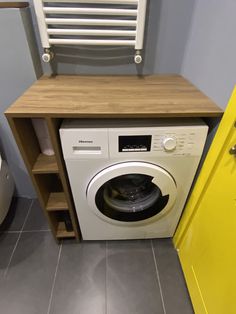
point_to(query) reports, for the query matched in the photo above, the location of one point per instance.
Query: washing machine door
(131, 192)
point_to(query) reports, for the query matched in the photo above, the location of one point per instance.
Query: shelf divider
(45, 164)
(62, 232)
(56, 202)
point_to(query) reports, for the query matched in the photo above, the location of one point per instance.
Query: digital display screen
(135, 143)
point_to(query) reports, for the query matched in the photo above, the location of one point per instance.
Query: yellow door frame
(210, 164)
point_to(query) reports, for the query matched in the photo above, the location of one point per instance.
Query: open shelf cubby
(50, 189)
(62, 232)
(62, 224)
(48, 176)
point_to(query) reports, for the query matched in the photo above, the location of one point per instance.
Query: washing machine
(130, 178)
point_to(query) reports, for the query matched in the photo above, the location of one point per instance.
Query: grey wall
(192, 37)
(167, 27)
(17, 72)
(171, 35)
(168, 23)
(210, 56)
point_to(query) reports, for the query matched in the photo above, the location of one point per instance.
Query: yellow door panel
(211, 162)
(207, 248)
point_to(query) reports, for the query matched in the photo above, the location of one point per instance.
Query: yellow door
(206, 238)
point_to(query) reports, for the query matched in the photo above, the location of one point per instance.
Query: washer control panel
(177, 143)
(135, 143)
(157, 141)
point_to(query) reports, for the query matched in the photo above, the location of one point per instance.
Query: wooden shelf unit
(57, 97)
(48, 175)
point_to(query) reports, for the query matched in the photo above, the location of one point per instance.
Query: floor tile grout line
(13, 251)
(28, 231)
(30, 207)
(26, 217)
(158, 278)
(6, 232)
(25, 231)
(54, 280)
(106, 310)
(18, 239)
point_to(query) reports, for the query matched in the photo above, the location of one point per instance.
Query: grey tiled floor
(38, 276)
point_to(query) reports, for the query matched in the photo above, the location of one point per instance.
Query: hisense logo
(81, 141)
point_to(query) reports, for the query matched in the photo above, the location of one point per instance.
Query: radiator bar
(63, 21)
(89, 11)
(96, 1)
(94, 42)
(90, 32)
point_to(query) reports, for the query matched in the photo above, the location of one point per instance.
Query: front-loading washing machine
(130, 178)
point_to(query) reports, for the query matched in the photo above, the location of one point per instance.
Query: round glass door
(130, 197)
(140, 191)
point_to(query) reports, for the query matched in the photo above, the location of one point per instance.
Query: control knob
(169, 144)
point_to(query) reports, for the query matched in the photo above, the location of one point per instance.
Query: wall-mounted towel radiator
(91, 22)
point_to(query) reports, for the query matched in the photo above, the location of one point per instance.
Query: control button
(125, 150)
(143, 149)
(169, 144)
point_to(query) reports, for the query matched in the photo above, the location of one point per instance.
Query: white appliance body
(6, 189)
(130, 179)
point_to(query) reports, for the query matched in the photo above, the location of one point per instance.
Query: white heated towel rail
(91, 22)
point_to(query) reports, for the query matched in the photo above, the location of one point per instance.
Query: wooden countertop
(113, 96)
(13, 5)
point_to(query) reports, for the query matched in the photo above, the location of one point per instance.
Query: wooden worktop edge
(18, 109)
(117, 115)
